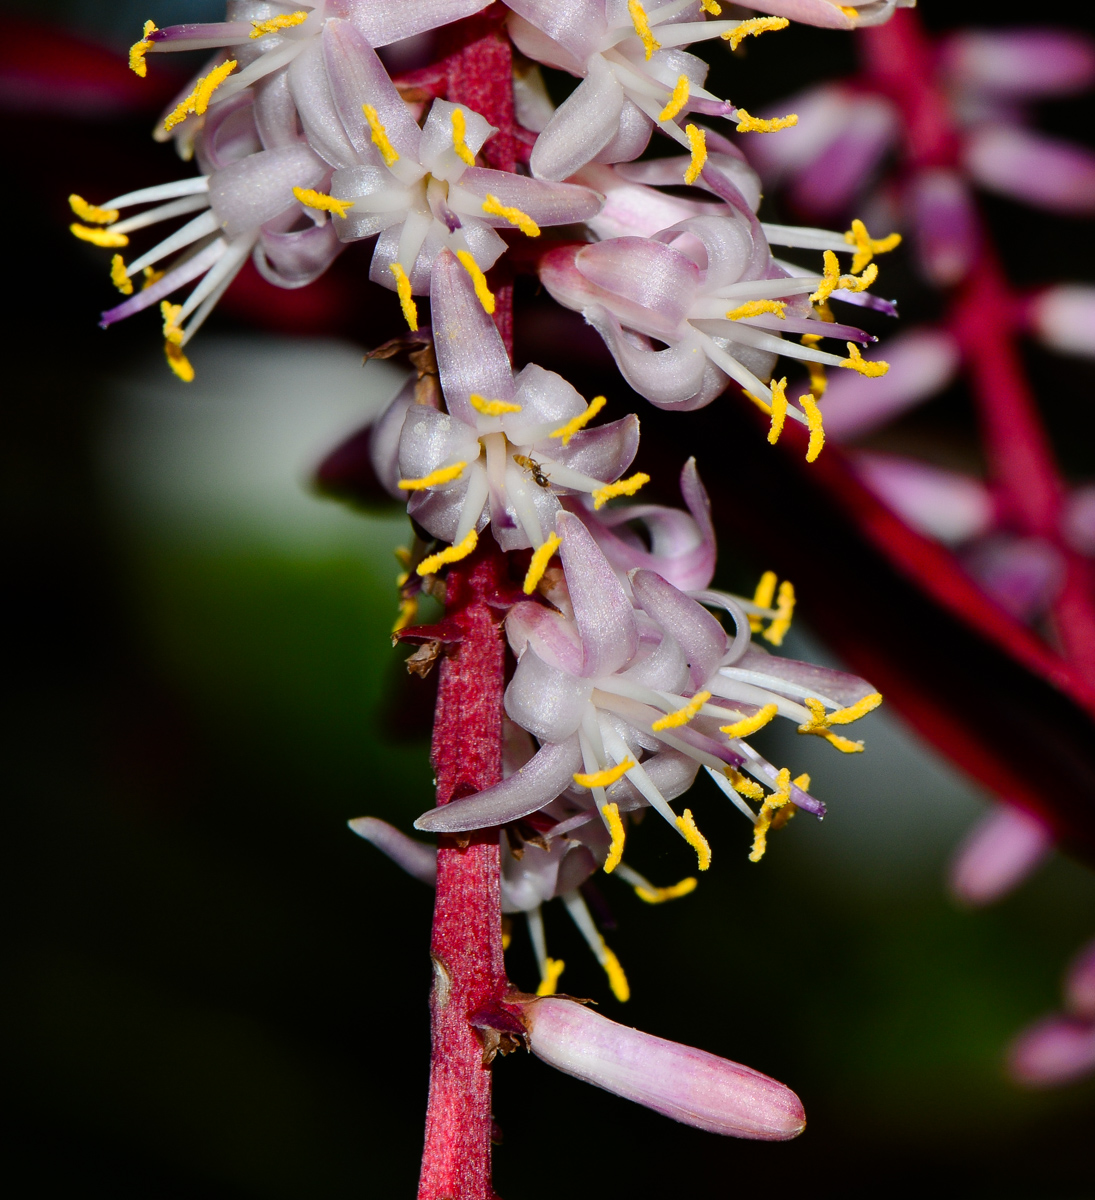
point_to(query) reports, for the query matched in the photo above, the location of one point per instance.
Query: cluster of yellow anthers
(776, 810)
(820, 721)
(780, 616)
(173, 336)
(139, 49)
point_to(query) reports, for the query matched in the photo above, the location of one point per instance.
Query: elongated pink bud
(1054, 1051)
(689, 1085)
(1001, 850)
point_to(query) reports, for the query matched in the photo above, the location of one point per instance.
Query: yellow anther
(495, 208)
(459, 136)
(436, 478)
(743, 784)
(763, 597)
(748, 725)
(830, 278)
(198, 100)
(662, 894)
(553, 968)
(276, 23)
(139, 49)
(617, 980)
(820, 721)
(748, 124)
(851, 13)
(771, 805)
(856, 362)
(388, 152)
(151, 276)
(802, 781)
(91, 212)
(686, 823)
(484, 294)
(763, 405)
(118, 277)
(540, 559)
(433, 564)
(711, 6)
(818, 379)
(322, 202)
(170, 313)
(779, 409)
(754, 27)
(606, 777)
(785, 608)
(616, 830)
(677, 101)
(406, 300)
(757, 308)
(492, 408)
(623, 487)
(681, 716)
(642, 28)
(99, 237)
(697, 142)
(507, 932)
(567, 431)
(178, 362)
(813, 423)
(408, 613)
(845, 716)
(866, 247)
(402, 556)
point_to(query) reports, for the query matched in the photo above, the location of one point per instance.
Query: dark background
(213, 989)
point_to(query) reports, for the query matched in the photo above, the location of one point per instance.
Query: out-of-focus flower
(1001, 850)
(1061, 1049)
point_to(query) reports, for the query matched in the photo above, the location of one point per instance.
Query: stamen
(139, 49)
(276, 23)
(492, 408)
(642, 28)
(540, 560)
(662, 894)
(819, 381)
(606, 777)
(832, 279)
(866, 247)
(697, 142)
(687, 825)
(495, 208)
(754, 27)
(616, 829)
(762, 598)
(459, 135)
(813, 423)
(388, 152)
(785, 607)
(170, 313)
(553, 968)
(99, 237)
(683, 715)
(118, 276)
(844, 716)
(756, 308)
(856, 362)
(711, 6)
(322, 202)
(198, 100)
(617, 980)
(748, 124)
(482, 292)
(567, 431)
(772, 804)
(624, 487)
(819, 722)
(745, 785)
(431, 565)
(748, 725)
(403, 291)
(677, 101)
(434, 479)
(408, 613)
(151, 276)
(779, 409)
(178, 362)
(91, 212)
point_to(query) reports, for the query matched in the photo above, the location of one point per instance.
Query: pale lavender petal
(416, 858)
(1078, 520)
(670, 771)
(292, 260)
(1055, 1051)
(1020, 62)
(1024, 575)
(665, 668)
(582, 126)
(945, 505)
(532, 879)
(319, 116)
(275, 112)
(1080, 983)
(1035, 169)
(545, 397)
(576, 25)
(470, 353)
(824, 13)
(688, 1085)
(254, 191)
(552, 636)
(384, 441)
(632, 209)
(386, 21)
(228, 134)
(1001, 850)
(549, 703)
(922, 362)
(546, 203)
(537, 45)
(632, 136)
(731, 252)
(604, 452)
(439, 512)
(1064, 318)
(437, 151)
(544, 777)
(807, 678)
(945, 225)
(432, 439)
(698, 633)
(605, 619)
